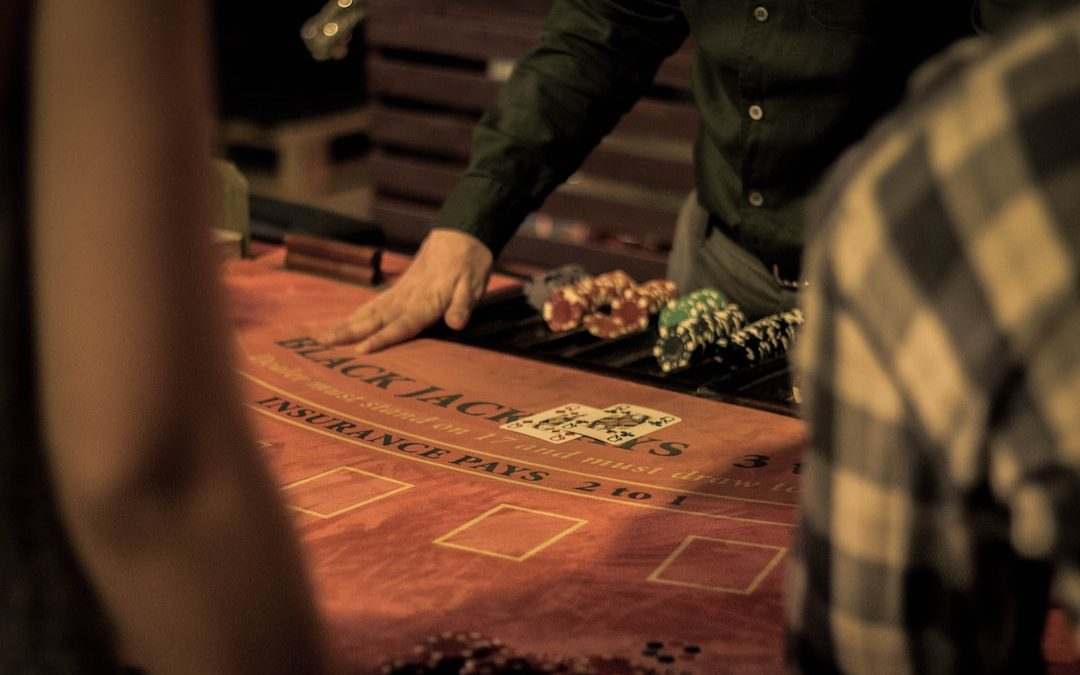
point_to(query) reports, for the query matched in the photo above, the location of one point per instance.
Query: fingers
(359, 325)
(373, 331)
(446, 279)
(401, 313)
(461, 304)
(397, 331)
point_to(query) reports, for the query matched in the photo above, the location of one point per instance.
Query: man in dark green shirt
(783, 86)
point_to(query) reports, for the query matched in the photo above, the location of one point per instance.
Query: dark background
(266, 74)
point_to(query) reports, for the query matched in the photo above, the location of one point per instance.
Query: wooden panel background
(435, 65)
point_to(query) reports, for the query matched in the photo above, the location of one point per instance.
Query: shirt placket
(754, 107)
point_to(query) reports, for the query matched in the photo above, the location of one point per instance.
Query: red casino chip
(564, 310)
(567, 306)
(632, 311)
(593, 295)
(603, 289)
(638, 303)
(630, 315)
(539, 288)
(608, 326)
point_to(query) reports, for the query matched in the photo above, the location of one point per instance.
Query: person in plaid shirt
(941, 373)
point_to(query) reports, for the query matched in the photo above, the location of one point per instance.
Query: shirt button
(761, 14)
(755, 198)
(755, 112)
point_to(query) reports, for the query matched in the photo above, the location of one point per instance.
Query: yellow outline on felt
(326, 516)
(655, 576)
(441, 541)
(734, 498)
(263, 411)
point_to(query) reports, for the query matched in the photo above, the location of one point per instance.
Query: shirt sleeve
(1035, 458)
(595, 59)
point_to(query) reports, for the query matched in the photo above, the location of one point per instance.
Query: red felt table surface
(420, 515)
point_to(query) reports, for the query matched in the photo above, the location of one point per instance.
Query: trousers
(704, 256)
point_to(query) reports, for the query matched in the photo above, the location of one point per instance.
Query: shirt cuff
(486, 209)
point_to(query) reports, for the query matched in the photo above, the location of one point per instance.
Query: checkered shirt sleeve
(941, 372)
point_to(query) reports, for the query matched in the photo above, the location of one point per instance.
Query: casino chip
(702, 301)
(761, 340)
(564, 309)
(473, 654)
(451, 653)
(697, 337)
(609, 326)
(540, 287)
(639, 303)
(631, 311)
(567, 306)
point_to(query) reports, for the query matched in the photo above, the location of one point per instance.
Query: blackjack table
(439, 538)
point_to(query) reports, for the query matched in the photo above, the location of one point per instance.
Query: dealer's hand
(446, 279)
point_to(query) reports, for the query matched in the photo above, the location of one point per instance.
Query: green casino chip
(703, 301)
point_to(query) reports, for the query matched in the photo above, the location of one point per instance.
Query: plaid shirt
(941, 370)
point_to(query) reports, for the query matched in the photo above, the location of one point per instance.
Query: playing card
(552, 425)
(622, 422)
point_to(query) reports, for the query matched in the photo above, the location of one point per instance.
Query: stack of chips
(473, 654)
(450, 653)
(703, 301)
(631, 312)
(762, 340)
(697, 337)
(540, 287)
(567, 306)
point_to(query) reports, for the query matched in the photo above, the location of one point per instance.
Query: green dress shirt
(783, 87)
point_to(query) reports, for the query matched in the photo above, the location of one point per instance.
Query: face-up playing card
(622, 422)
(552, 425)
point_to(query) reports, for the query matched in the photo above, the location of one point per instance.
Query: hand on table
(446, 279)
